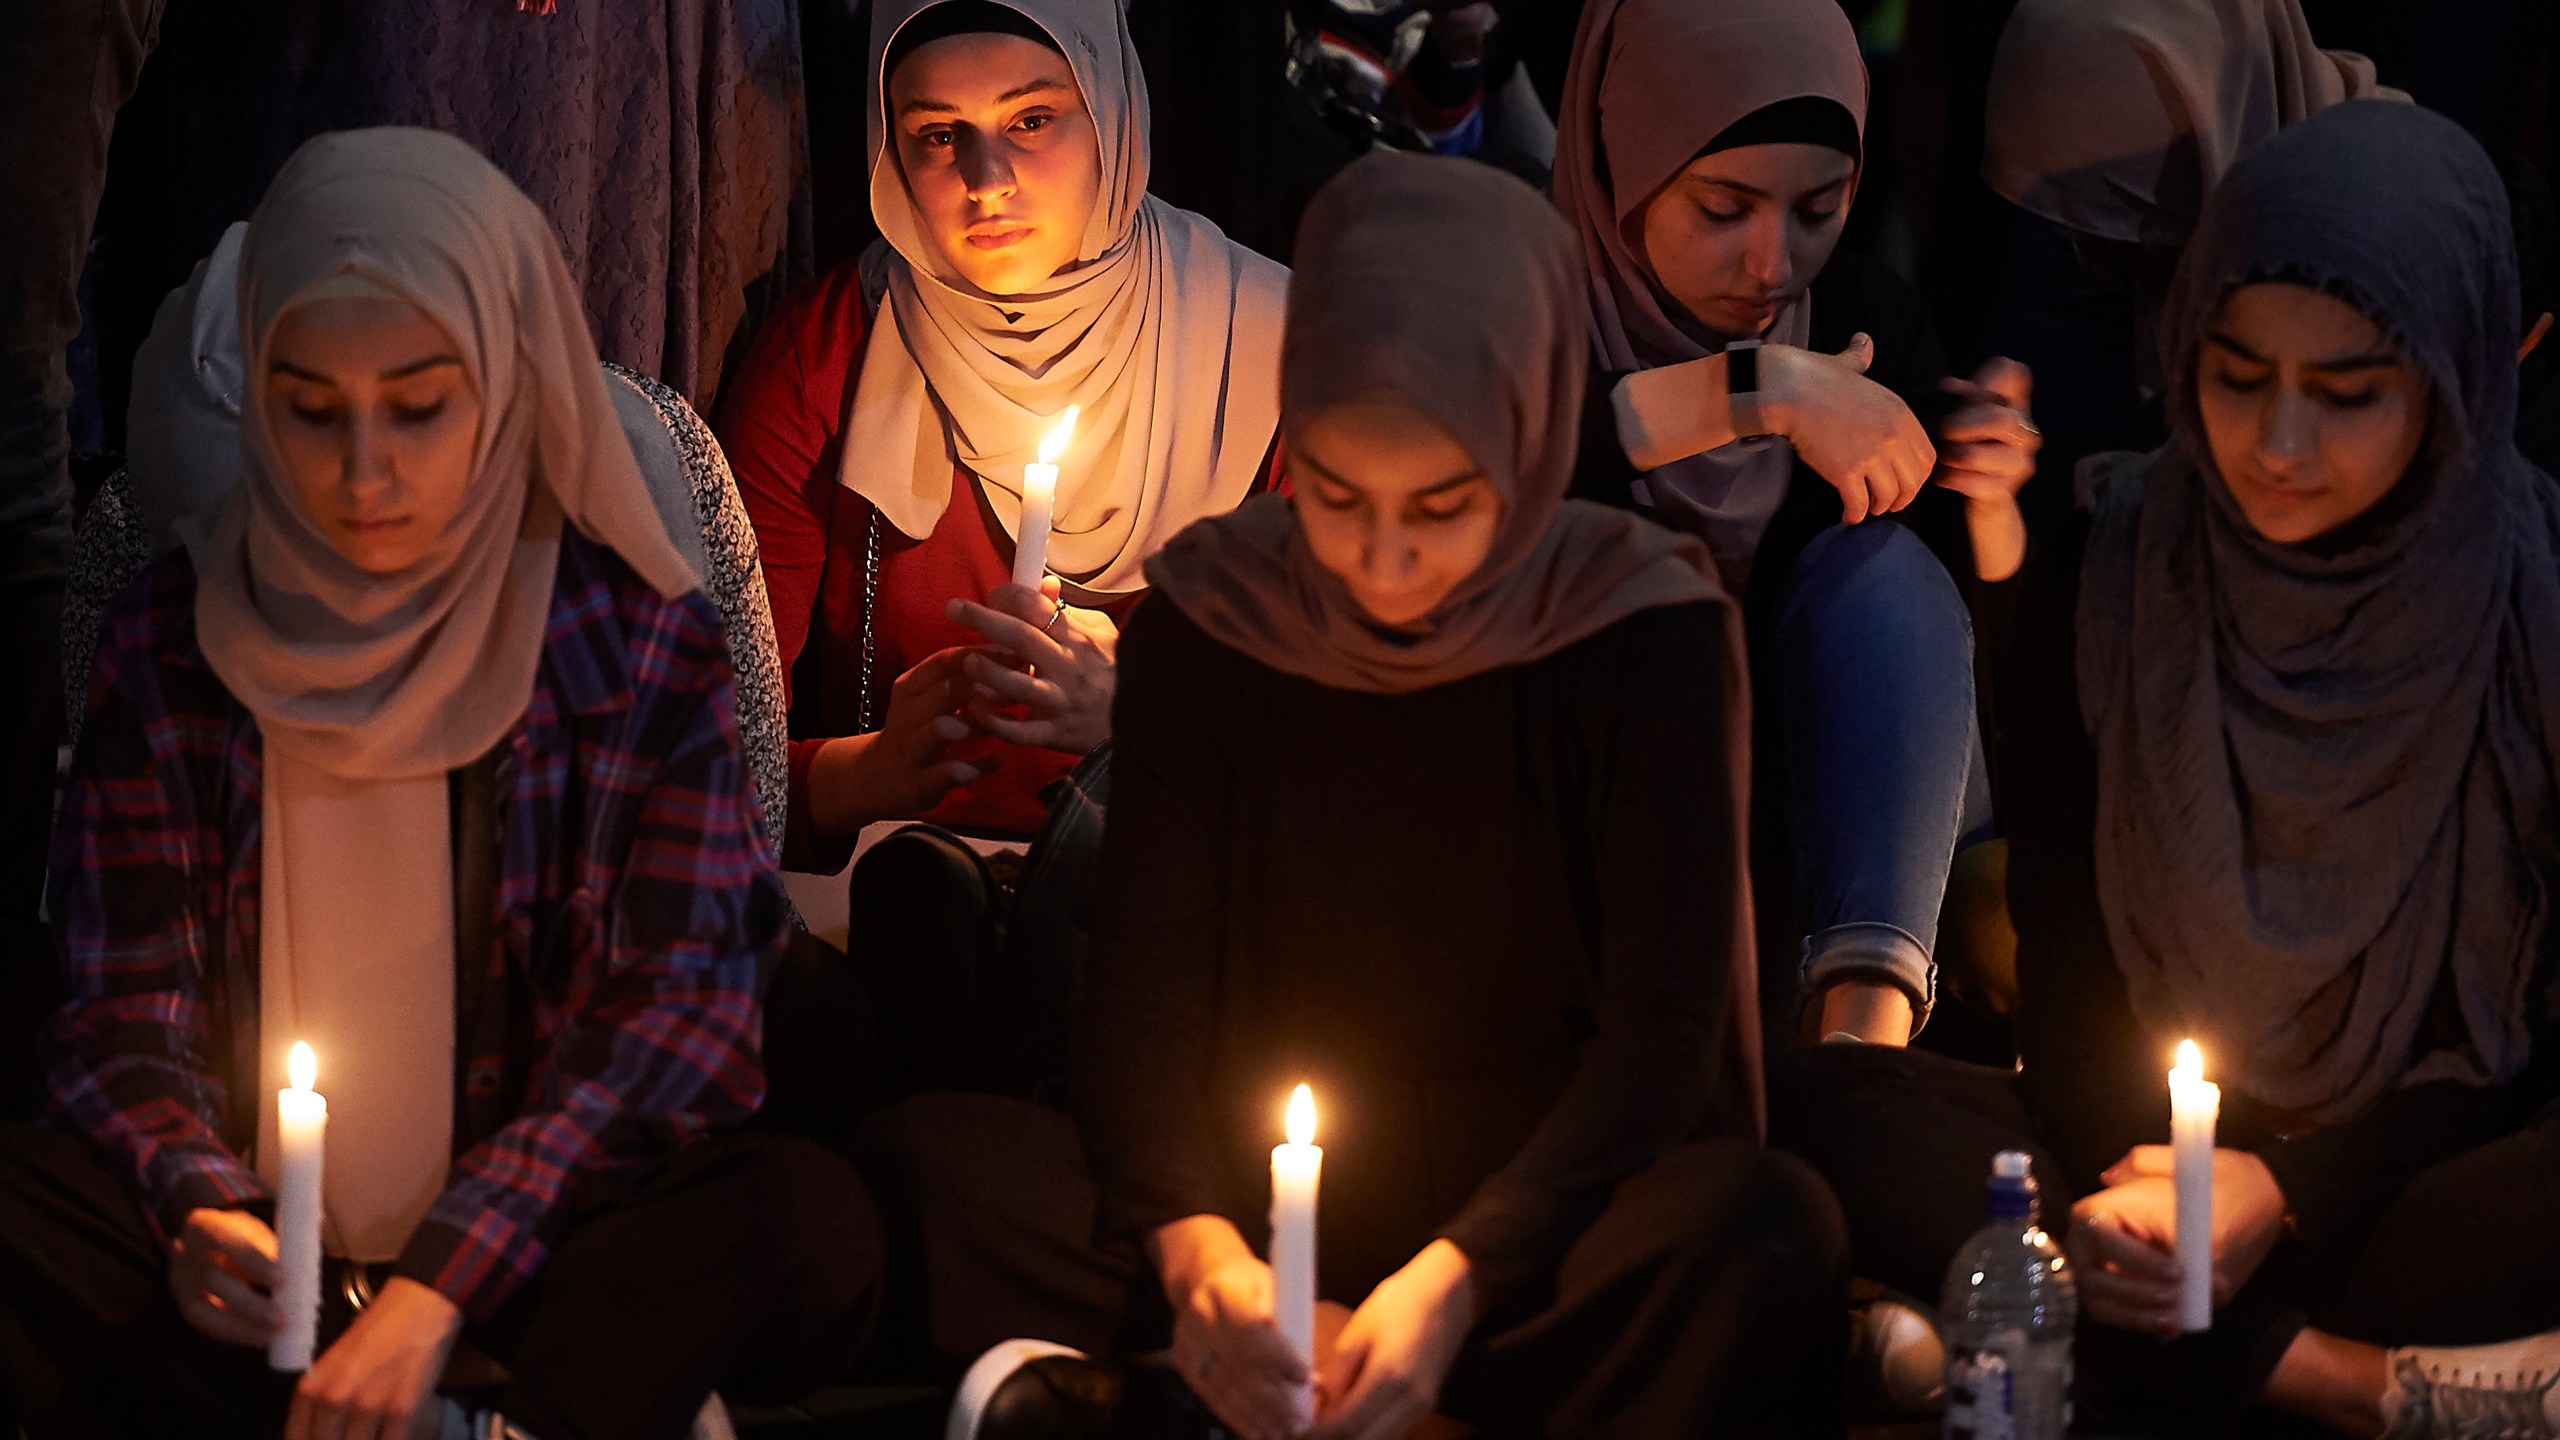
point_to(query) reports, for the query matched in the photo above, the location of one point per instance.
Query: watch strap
(1742, 389)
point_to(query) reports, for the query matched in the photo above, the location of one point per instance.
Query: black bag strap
(472, 791)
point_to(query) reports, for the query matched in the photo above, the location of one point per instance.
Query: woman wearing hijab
(1428, 797)
(880, 425)
(1759, 392)
(422, 752)
(2299, 807)
(2109, 122)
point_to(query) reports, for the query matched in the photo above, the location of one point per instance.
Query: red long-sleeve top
(781, 424)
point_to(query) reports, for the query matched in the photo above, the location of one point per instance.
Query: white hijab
(1166, 337)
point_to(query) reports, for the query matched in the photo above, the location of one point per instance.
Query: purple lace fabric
(665, 139)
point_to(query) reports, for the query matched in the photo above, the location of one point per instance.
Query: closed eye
(1335, 497)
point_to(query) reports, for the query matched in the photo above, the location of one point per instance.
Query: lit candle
(302, 1121)
(2194, 1104)
(1039, 491)
(1295, 1168)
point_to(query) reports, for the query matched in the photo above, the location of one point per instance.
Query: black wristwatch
(1742, 389)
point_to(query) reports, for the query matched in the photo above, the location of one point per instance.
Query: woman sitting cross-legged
(421, 751)
(1760, 390)
(2280, 723)
(1428, 795)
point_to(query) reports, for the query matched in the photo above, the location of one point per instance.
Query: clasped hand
(378, 1382)
(1865, 441)
(1044, 678)
(2124, 1238)
(1375, 1379)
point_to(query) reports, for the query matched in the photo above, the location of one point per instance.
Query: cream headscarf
(1651, 84)
(2116, 118)
(1167, 338)
(368, 689)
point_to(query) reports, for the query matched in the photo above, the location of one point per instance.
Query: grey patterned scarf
(2324, 788)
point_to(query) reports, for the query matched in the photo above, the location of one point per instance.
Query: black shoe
(1034, 1390)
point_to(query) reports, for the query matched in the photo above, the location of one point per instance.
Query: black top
(2095, 1079)
(1490, 923)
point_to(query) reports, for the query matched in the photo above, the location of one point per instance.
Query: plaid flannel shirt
(638, 908)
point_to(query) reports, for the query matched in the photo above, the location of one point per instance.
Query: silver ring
(1054, 617)
(2033, 428)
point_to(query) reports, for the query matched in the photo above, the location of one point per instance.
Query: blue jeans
(1883, 772)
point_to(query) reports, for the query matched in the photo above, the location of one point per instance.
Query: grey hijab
(2324, 789)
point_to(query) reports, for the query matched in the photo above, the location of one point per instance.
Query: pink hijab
(1449, 286)
(1650, 84)
(2116, 118)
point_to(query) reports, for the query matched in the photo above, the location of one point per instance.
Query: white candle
(302, 1123)
(2194, 1105)
(1039, 493)
(1295, 1168)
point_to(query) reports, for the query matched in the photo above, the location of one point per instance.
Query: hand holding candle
(2194, 1105)
(302, 1123)
(1039, 493)
(1295, 1170)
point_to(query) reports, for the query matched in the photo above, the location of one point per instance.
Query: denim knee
(1877, 573)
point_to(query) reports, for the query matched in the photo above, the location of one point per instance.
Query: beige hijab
(2116, 118)
(1652, 82)
(368, 690)
(1166, 337)
(1452, 287)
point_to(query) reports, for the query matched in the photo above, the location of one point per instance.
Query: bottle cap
(2011, 1192)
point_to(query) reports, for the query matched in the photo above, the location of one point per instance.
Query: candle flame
(1302, 1116)
(300, 1067)
(1054, 444)
(2190, 1061)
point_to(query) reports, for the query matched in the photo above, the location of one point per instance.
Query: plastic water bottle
(2010, 1306)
